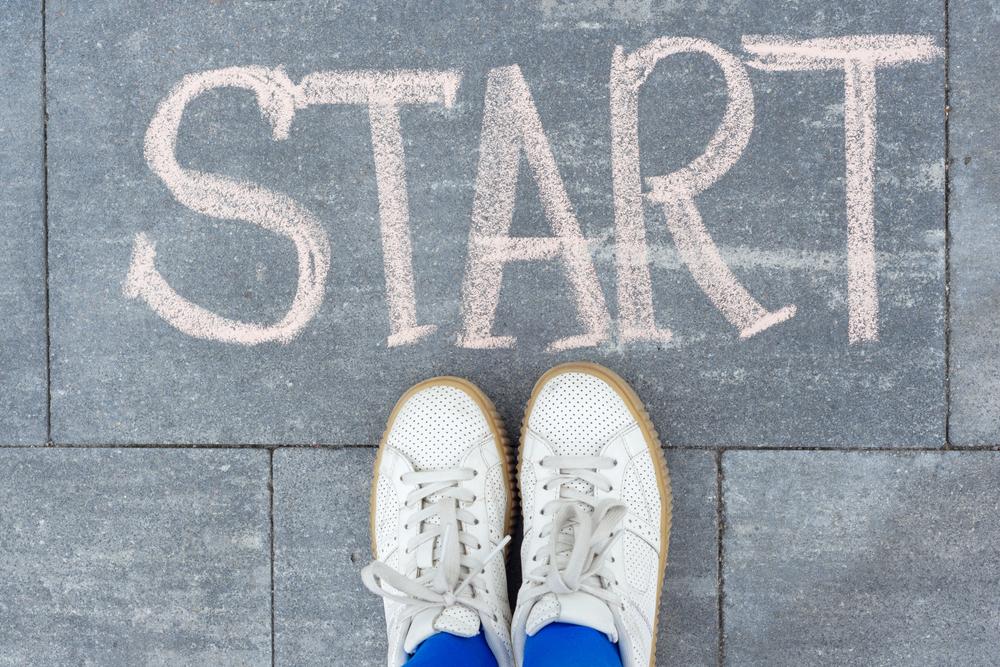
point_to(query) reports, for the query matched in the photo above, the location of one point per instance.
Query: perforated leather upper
(436, 427)
(441, 426)
(579, 414)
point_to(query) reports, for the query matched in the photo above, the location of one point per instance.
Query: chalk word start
(511, 126)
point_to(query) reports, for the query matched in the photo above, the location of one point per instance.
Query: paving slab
(841, 558)
(689, 628)
(975, 223)
(22, 239)
(323, 614)
(139, 359)
(134, 557)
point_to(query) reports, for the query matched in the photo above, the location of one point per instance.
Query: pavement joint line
(45, 228)
(720, 523)
(947, 225)
(270, 499)
(680, 448)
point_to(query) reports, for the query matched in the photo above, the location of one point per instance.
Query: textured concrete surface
(323, 613)
(689, 628)
(22, 249)
(131, 557)
(160, 555)
(860, 558)
(975, 224)
(121, 374)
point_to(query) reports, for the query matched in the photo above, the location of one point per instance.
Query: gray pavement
(123, 375)
(135, 557)
(839, 558)
(187, 437)
(975, 226)
(23, 419)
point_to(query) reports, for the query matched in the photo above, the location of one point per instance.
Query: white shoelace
(580, 534)
(455, 577)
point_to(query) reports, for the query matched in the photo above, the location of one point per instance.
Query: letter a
(510, 125)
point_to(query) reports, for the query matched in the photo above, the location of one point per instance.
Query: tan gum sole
(638, 410)
(496, 427)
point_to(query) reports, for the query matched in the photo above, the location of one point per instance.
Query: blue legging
(555, 645)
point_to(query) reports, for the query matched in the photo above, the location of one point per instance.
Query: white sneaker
(441, 506)
(596, 503)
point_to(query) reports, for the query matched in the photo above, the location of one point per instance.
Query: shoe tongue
(455, 620)
(575, 608)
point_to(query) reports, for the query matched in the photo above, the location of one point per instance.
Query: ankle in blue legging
(567, 645)
(555, 645)
(445, 650)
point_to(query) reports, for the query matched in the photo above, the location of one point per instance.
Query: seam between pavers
(947, 224)
(270, 496)
(45, 228)
(195, 445)
(717, 450)
(720, 528)
(365, 445)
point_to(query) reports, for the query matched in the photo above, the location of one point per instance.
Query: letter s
(229, 199)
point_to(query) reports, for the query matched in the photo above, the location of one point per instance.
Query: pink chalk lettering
(229, 199)
(384, 93)
(676, 193)
(858, 57)
(511, 125)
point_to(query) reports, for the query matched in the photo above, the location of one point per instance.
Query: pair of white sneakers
(595, 501)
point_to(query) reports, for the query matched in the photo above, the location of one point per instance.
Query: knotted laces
(575, 545)
(439, 506)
